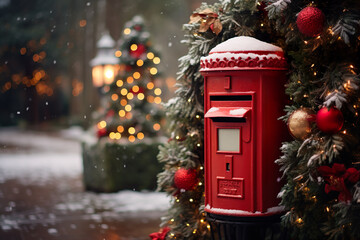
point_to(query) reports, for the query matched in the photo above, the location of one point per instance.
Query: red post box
(244, 97)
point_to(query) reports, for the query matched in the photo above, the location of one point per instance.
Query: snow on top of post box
(244, 43)
(243, 52)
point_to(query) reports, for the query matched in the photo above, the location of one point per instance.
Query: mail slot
(243, 98)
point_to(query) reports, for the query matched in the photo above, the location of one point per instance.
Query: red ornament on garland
(141, 90)
(160, 235)
(140, 50)
(329, 120)
(102, 132)
(300, 122)
(338, 179)
(185, 179)
(310, 21)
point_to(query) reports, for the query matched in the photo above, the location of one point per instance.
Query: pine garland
(186, 216)
(323, 72)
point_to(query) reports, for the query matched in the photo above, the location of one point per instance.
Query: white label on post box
(229, 139)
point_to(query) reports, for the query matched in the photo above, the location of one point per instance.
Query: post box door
(231, 158)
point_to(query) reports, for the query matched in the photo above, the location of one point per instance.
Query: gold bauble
(299, 123)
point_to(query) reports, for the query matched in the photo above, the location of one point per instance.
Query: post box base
(244, 228)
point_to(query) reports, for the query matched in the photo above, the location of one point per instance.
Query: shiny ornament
(329, 120)
(299, 123)
(102, 132)
(310, 21)
(140, 50)
(141, 90)
(185, 179)
(161, 235)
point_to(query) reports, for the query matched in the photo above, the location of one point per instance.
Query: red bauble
(141, 90)
(161, 235)
(137, 28)
(101, 132)
(185, 179)
(110, 113)
(140, 50)
(310, 21)
(329, 120)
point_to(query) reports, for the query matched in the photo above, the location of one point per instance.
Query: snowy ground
(42, 197)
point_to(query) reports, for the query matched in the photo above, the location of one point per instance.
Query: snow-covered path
(42, 197)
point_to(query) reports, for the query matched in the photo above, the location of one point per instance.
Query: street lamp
(104, 64)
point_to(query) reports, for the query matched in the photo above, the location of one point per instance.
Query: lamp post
(104, 65)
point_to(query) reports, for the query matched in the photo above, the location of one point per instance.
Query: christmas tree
(321, 42)
(321, 194)
(183, 176)
(131, 106)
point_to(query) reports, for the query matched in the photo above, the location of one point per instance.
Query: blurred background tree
(46, 48)
(131, 107)
(35, 52)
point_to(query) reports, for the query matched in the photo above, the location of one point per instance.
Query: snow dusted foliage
(276, 7)
(324, 71)
(186, 216)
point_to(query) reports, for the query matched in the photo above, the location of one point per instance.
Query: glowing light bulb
(131, 130)
(141, 96)
(132, 138)
(157, 100)
(150, 85)
(135, 88)
(122, 113)
(128, 115)
(130, 96)
(120, 129)
(128, 108)
(299, 221)
(127, 31)
(118, 53)
(140, 135)
(153, 71)
(139, 62)
(150, 55)
(112, 135)
(156, 60)
(130, 79)
(157, 91)
(156, 127)
(124, 91)
(117, 136)
(119, 83)
(136, 75)
(133, 47)
(123, 102)
(114, 97)
(102, 124)
(150, 99)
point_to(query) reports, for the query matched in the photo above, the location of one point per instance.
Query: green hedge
(110, 167)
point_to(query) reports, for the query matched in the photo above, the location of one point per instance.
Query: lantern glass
(109, 74)
(97, 76)
(229, 139)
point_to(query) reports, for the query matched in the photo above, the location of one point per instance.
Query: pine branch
(276, 7)
(347, 26)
